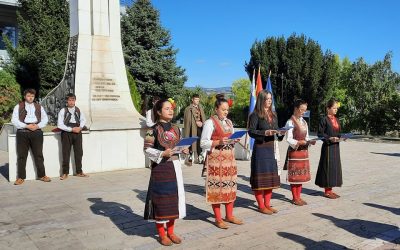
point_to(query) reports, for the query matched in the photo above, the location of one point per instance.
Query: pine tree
(149, 55)
(39, 59)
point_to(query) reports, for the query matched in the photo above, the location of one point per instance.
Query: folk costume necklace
(167, 135)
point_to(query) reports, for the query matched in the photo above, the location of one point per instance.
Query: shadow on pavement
(361, 228)
(309, 243)
(388, 154)
(4, 171)
(123, 217)
(394, 210)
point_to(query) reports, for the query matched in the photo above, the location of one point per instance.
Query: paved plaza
(105, 211)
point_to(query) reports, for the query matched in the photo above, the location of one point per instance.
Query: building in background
(8, 25)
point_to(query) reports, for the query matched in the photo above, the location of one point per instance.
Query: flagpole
(247, 125)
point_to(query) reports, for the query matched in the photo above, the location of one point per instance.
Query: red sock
(328, 190)
(294, 189)
(160, 229)
(299, 190)
(260, 199)
(170, 227)
(229, 209)
(217, 211)
(267, 197)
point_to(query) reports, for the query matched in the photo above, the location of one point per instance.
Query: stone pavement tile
(116, 222)
(21, 242)
(55, 239)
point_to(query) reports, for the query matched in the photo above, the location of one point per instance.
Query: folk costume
(24, 114)
(329, 172)
(297, 163)
(220, 164)
(193, 114)
(264, 166)
(165, 200)
(69, 118)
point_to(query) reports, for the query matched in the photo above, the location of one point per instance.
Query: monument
(95, 72)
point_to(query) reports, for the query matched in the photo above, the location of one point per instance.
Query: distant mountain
(224, 90)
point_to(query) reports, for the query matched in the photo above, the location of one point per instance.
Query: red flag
(259, 82)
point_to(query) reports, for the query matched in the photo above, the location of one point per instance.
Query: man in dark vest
(71, 121)
(29, 118)
(193, 121)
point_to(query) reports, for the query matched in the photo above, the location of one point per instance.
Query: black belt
(27, 130)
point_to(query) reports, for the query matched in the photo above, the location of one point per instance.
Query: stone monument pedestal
(95, 72)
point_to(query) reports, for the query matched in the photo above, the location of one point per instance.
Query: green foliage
(241, 101)
(10, 96)
(149, 55)
(185, 98)
(301, 70)
(39, 59)
(135, 95)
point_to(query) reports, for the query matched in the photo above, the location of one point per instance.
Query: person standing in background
(71, 121)
(193, 121)
(29, 118)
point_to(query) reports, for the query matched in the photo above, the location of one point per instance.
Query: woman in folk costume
(263, 127)
(220, 163)
(329, 172)
(297, 162)
(165, 200)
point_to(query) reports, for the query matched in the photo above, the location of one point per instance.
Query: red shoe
(234, 220)
(265, 211)
(330, 196)
(297, 202)
(272, 209)
(175, 239)
(165, 241)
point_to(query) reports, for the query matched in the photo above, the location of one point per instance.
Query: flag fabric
(253, 93)
(252, 104)
(269, 89)
(259, 82)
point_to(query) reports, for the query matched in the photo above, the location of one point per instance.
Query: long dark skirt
(162, 195)
(264, 168)
(329, 172)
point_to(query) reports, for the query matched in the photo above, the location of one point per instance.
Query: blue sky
(214, 37)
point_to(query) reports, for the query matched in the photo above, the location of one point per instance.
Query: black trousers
(69, 139)
(197, 143)
(30, 139)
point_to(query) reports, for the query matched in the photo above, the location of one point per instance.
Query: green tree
(241, 102)
(135, 95)
(10, 96)
(38, 60)
(149, 55)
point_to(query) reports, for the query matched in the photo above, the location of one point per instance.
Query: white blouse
(208, 129)
(289, 137)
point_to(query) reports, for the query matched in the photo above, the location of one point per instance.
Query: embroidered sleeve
(154, 155)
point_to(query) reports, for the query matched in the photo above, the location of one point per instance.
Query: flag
(252, 104)
(253, 93)
(259, 82)
(269, 89)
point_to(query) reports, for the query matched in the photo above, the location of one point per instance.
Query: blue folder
(186, 142)
(285, 128)
(238, 134)
(346, 136)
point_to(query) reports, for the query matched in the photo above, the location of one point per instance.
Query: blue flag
(252, 103)
(269, 88)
